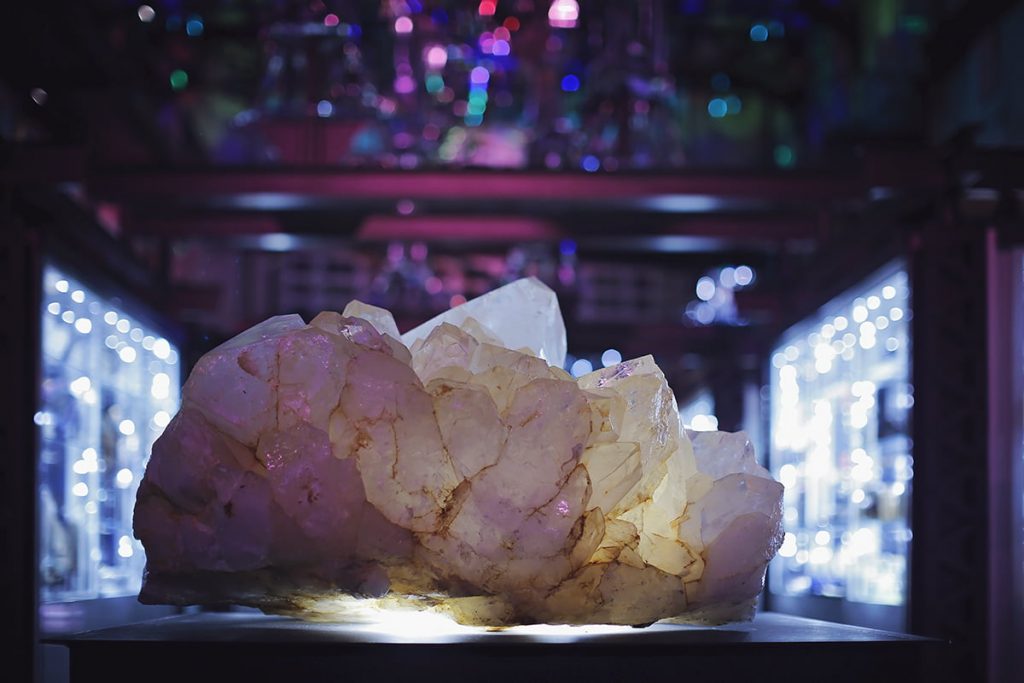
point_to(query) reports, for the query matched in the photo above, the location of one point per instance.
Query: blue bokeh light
(717, 108)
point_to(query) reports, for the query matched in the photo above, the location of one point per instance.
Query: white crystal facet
(521, 315)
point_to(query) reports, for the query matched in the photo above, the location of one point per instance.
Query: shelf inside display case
(238, 645)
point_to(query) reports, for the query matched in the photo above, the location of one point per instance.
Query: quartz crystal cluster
(455, 468)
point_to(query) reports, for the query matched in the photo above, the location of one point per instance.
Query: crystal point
(521, 315)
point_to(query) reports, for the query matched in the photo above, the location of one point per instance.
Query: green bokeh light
(179, 79)
(784, 156)
(435, 83)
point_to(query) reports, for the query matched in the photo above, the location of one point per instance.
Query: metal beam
(459, 228)
(288, 189)
(755, 232)
(204, 225)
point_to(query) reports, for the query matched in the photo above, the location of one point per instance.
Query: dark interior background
(225, 161)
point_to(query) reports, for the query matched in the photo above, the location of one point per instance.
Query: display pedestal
(255, 647)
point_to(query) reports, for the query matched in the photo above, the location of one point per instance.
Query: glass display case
(109, 384)
(840, 443)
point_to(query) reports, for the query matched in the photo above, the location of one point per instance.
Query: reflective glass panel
(840, 443)
(109, 386)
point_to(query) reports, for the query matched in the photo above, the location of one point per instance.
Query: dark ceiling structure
(291, 155)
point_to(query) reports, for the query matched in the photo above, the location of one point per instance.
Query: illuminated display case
(840, 443)
(109, 384)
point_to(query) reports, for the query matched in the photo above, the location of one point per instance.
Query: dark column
(949, 569)
(19, 343)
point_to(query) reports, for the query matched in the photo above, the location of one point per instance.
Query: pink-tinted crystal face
(465, 473)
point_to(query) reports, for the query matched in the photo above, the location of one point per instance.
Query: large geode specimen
(455, 468)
